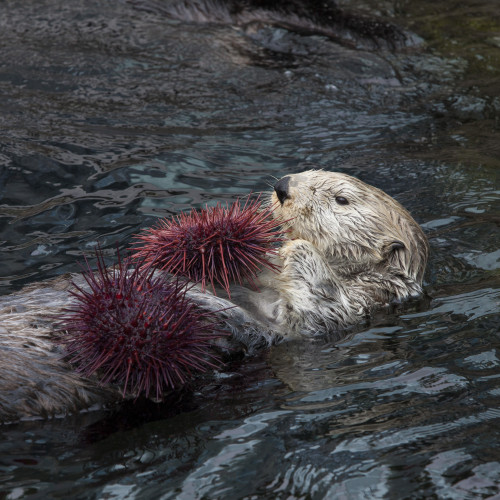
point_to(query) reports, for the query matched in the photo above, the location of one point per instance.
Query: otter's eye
(341, 200)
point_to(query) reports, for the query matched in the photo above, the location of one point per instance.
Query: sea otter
(352, 247)
(349, 249)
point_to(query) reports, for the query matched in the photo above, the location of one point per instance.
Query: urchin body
(350, 248)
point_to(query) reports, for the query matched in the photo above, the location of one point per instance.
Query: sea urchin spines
(138, 330)
(217, 245)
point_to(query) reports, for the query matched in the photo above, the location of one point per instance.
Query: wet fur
(35, 381)
(339, 262)
(342, 261)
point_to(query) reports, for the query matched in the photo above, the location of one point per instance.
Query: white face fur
(349, 221)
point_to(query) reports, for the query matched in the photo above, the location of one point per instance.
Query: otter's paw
(307, 290)
(303, 261)
(292, 248)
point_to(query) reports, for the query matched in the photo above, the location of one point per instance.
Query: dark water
(111, 117)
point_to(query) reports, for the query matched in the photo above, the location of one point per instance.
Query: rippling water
(112, 116)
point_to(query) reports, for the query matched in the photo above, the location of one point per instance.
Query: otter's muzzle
(281, 188)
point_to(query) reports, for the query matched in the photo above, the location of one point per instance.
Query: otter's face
(350, 221)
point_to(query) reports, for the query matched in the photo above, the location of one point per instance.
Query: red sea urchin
(137, 330)
(218, 245)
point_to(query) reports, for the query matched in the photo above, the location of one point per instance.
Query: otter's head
(351, 222)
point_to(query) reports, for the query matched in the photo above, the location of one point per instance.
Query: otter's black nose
(281, 188)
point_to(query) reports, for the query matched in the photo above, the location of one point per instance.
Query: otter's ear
(395, 253)
(395, 245)
(391, 247)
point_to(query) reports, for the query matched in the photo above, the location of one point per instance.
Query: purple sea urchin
(137, 330)
(218, 245)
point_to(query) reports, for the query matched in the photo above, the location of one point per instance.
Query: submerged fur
(339, 262)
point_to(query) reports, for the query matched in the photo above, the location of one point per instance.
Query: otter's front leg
(245, 328)
(311, 293)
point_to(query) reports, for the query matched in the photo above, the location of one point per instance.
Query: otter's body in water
(350, 248)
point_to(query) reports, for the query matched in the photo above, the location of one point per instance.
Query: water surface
(112, 116)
